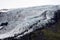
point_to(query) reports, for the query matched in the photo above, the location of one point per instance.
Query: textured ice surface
(21, 21)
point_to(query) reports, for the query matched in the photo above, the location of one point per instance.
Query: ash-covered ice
(21, 21)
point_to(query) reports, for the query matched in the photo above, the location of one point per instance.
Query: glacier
(21, 21)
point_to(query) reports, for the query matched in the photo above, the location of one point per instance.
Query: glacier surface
(21, 21)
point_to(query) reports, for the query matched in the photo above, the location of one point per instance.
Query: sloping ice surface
(21, 21)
